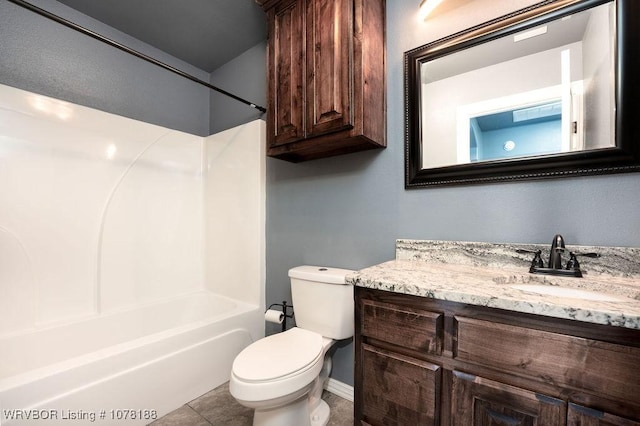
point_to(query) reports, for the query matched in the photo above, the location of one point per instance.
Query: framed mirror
(547, 91)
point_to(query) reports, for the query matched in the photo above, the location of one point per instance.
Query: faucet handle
(525, 251)
(537, 260)
(591, 255)
(572, 263)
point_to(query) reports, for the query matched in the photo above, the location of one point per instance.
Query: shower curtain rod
(124, 48)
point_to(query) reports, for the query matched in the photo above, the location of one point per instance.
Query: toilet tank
(322, 301)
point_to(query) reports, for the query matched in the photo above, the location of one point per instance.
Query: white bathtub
(139, 363)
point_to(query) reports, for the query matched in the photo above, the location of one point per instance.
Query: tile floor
(217, 407)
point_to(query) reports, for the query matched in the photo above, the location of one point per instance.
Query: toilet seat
(262, 373)
(278, 356)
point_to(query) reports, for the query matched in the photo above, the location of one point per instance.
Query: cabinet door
(582, 416)
(398, 390)
(285, 123)
(481, 402)
(329, 66)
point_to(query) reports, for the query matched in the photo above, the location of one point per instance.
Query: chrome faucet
(555, 254)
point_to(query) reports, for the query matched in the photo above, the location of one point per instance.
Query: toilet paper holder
(284, 307)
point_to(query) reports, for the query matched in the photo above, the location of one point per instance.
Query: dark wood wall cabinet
(421, 361)
(326, 77)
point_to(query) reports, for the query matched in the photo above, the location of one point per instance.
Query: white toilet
(282, 376)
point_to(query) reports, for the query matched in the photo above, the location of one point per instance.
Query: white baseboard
(340, 389)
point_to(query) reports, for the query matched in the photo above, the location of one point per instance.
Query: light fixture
(426, 6)
(549, 109)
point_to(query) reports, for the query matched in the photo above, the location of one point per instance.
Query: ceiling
(203, 33)
(560, 32)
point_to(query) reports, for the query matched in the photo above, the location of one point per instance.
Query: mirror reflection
(545, 90)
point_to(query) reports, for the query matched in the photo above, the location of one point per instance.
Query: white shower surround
(103, 216)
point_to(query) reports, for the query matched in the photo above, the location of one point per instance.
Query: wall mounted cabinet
(430, 362)
(326, 77)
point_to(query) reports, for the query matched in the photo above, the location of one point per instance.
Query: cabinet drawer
(403, 326)
(478, 401)
(399, 390)
(602, 368)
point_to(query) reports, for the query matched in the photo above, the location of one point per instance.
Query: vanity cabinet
(430, 362)
(326, 77)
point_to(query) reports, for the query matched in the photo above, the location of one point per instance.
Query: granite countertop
(490, 283)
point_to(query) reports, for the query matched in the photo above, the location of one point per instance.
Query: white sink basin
(573, 293)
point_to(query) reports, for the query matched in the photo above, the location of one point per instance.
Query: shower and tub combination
(131, 261)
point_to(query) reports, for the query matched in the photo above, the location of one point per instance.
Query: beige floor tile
(219, 408)
(183, 416)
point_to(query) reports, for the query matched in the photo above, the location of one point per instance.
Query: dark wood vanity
(422, 361)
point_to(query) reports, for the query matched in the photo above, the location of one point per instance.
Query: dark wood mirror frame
(624, 157)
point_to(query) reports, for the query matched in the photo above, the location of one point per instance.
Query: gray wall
(244, 76)
(44, 57)
(347, 211)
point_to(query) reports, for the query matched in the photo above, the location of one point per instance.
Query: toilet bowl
(282, 376)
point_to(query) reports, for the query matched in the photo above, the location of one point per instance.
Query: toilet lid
(278, 355)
